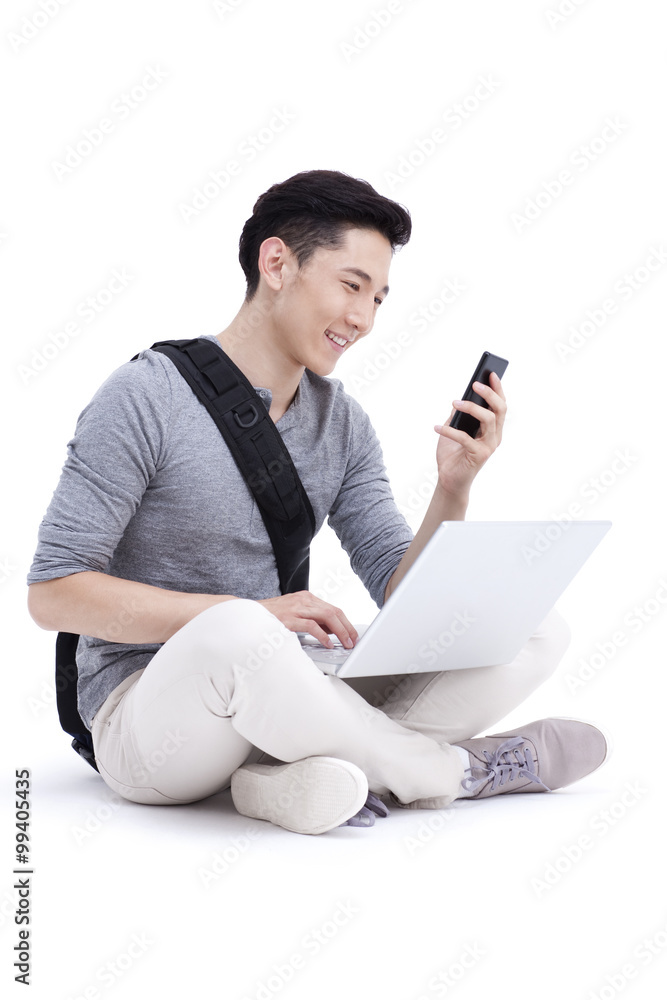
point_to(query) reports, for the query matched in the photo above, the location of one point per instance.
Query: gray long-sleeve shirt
(150, 492)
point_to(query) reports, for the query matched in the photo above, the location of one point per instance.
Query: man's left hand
(459, 456)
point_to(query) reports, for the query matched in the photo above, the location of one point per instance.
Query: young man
(153, 550)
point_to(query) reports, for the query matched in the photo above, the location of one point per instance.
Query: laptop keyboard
(318, 651)
(325, 655)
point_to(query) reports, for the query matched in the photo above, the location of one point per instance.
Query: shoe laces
(511, 759)
(366, 816)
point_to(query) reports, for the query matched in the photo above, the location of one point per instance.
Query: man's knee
(239, 609)
(244, 629)
(240, 615)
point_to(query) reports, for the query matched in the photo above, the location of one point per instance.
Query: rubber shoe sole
(310, 796)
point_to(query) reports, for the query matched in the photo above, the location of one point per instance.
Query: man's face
(337, 292)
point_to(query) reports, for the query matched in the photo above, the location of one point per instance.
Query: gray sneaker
(311, 795)
(538, 757)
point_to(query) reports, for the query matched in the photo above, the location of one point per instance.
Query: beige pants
(233, 686)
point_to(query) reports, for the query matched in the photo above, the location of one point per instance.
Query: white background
(420, 887)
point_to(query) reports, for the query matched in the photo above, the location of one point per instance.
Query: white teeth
(336, 340)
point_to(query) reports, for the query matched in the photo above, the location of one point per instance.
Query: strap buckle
(251, 423)
(85, 751)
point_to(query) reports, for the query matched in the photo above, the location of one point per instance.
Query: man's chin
(322, 368)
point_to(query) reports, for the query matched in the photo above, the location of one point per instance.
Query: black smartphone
(487, 363)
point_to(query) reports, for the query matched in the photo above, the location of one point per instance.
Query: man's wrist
(454, 503)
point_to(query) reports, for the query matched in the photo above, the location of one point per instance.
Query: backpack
(260, 453)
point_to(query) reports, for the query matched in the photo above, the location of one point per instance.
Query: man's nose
(362, 318)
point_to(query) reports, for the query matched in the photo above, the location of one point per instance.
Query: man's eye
(351, 284)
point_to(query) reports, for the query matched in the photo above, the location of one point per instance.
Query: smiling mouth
(339, 342)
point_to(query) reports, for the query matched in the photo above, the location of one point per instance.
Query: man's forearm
(441, 508)
(117, 610)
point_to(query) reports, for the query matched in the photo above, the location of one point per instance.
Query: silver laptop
(474, 596)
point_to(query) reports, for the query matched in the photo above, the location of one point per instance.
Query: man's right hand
(303, 612)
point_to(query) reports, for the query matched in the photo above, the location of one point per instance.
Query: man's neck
(252, 343)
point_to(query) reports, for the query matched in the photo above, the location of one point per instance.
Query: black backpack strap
(66, 696)
(258, 449)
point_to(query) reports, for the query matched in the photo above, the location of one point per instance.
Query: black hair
(315, 208)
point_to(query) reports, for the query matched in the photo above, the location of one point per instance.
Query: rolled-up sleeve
(110, 461)
(364, 515)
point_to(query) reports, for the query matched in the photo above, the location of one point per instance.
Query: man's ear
(275, 262)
